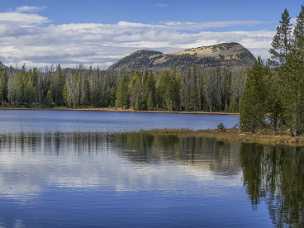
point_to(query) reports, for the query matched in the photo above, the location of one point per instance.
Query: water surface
(73, 178)
(80, 121)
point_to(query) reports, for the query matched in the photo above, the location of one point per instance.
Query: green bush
(221, 127)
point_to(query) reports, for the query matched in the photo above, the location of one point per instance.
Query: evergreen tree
(3, 86)
(57, 85)
(149, 91)
(253, 102)
(122, 94)
(65, 95)
(274, 104)
(292, 77)
(168, 87)
(293, 90)
(282, 40)
(299, 31)
(191, 90)
(136, 91)
(49, 98)
(85, 98)
(29, 93)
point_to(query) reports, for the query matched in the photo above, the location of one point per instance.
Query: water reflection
(203, 175)
(276, 175)
(30, 163)
(206, 154)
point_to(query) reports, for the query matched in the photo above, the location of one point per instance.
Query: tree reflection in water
(275, 174)
(271, 174)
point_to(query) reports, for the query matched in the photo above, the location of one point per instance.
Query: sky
(100, 32)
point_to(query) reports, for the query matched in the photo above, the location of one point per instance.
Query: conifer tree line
(274, 91)
(195, 89)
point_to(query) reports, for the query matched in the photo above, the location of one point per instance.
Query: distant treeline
(274, 93)
(217, 89)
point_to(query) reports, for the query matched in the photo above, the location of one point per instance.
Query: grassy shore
(89, 109)
(234, 135)
(228, 135)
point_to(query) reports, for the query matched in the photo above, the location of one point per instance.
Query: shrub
(221, 127)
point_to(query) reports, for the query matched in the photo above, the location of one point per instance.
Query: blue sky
(98, 32)
(110, 11)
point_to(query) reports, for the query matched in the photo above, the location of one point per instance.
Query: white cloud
(27, 170)
(29, 9)
(28, 37)
(9, 18)
(212, 24)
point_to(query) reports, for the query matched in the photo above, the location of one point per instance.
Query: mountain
(220, 55)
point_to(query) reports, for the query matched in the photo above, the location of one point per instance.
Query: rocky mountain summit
(220, 55)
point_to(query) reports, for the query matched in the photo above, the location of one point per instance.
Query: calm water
(73, 121)
(53, 173)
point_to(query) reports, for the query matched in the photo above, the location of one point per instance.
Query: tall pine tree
(292, 74)
(122, 94)
(299, 31)
(253, 109)
(282, 40)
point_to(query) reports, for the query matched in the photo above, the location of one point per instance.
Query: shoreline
(117, 110)
(234, 136)
(226, 135)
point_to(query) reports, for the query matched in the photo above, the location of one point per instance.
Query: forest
(197, 89)
(274, 93)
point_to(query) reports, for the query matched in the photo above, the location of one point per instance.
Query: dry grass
(234, 135)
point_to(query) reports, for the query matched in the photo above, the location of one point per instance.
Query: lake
(81, 121)
(91, 169)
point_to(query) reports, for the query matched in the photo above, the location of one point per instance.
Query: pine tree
(253, 102)
(57, 85)
(168, 90)
(65, 94)
(49, 98)
(29, 92)
(190, 91)
(282, 40)
(3, 86)
(85, 98)
(122, 94)
(299, 31)
(274, 104)
(136, 91)
(292, 81)
(149, 91)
